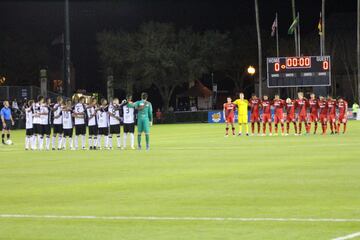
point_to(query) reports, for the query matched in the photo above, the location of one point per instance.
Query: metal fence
(23, 92)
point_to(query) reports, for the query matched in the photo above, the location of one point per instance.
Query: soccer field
(192, 184)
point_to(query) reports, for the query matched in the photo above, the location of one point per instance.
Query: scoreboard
(305, 71)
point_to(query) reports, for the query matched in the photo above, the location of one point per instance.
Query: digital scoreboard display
(306, 71)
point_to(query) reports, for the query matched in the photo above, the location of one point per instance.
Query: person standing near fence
(7, 121)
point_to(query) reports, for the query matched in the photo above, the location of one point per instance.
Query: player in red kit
(314, 114)
(301, 105)
(266, 115)
(322, 104)
(343, 109)
(279, 113)
(290, 115)
(331, 104)
(255, 103)
(229, 116)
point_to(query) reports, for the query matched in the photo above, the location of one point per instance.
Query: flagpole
(323, 25)
(320, 35)
(277, 36)
(299, 36)
(295, 32)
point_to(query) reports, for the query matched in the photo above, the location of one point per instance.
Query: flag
(274, 26)
(320, 25)
(293, 25)
(58, 40)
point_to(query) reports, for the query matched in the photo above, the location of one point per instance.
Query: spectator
(193, 108)
(15, 105)
(158, 115)
(171, 109)
(355, 109)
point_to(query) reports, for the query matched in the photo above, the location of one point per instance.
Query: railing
(22, 92)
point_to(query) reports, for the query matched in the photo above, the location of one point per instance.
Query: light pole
(67, 71)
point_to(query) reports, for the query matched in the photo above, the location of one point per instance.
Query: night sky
(45, 19)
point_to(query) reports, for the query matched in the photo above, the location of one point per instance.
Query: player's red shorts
(332, 118)
(342, 119)
(230, 119)
(302, 118)
(279, 118)
(266, 117)
(313, 118)
(323, 118)
(290, 118)
(254, 118)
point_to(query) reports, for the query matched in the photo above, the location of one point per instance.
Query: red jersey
(323, 107)
(278, 105)
(229, 109)
(314, 106)
(301, 106)
(343, 105)
(255, 106)
(331, 104)
(266, 106)
(290, 108)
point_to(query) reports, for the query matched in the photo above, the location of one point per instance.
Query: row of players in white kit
(44, 118)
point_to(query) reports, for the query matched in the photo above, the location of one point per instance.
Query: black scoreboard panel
(304, 71)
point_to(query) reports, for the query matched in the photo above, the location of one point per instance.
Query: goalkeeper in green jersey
(144, 118)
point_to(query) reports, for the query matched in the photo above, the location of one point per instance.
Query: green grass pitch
(190, 171)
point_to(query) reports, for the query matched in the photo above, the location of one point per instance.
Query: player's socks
(27, 142)
(47, 142)
(76, 141)
(60, 138)
(98, 142)
(3, 138)
(233, 130)
(53, 141)
(90, 142)
(71, 143)
(132, 139)
(118, 140)
(32, 141)
(139, 141)
(344, 128)
(264, 128)
(276, 129)
(227, 131)
(109, 141)
(300, 127)
(95, 142)
(282, 128)
(287, 128)
(315, 127)
(41, 142)
(295, 127)
(247, 128)
(331, 128)
(8, 136)
(147, 139)
(252, 128)
(83, 141)
(124, 140)
(258, 127)
(270, 128)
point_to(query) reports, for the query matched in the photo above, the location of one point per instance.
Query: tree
(158, 55)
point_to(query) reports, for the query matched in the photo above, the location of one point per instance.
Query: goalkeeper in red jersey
(323, 118)
(290, 115)
(314, 114)
(229, 115)
(279, 113)
(255, 103)
(343, 109)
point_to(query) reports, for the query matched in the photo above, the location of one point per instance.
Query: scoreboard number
(305, 71)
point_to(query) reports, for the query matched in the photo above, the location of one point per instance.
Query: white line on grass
(350, 236)
(154, 218)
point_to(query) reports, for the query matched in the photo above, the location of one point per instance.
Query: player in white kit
(29, 139)
(114, 121)
(45, 114)
(102, 117)
(67, 125)
(57, 123)
(129, 122)
(79, 113)
(92, 123)
(36, 122)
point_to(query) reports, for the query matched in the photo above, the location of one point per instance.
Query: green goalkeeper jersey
(145, 111)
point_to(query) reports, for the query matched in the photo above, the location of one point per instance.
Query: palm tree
(259, 46)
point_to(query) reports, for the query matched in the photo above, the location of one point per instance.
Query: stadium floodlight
(251, 70)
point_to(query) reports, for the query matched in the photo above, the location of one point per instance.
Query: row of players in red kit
(299, 112)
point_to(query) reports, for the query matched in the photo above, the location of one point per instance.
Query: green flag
(293, 25)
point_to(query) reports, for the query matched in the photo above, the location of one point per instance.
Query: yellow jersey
(242, 106)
